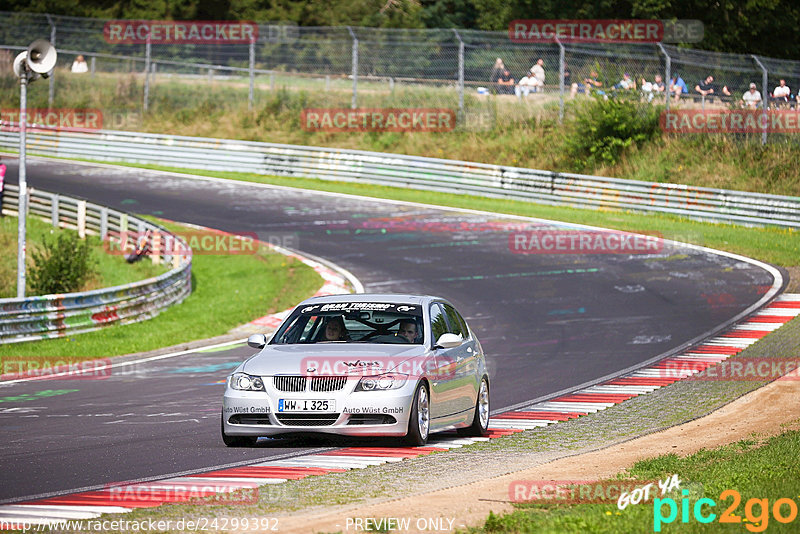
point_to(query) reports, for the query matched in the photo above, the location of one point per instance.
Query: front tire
(480, 421)
(236, 441)
(419, 419)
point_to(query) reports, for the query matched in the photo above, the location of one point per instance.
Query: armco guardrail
(49, 316)
(415, 172)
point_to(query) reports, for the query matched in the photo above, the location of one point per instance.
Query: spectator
(677, 87)
(505, 84)
(782, 94)
(538, 74)
(706, 88)
(526, 85)
(651, 89)
(2, 179)
(589, 85)
(752, 98)
(497, 70)
(626, 83)
(79, 66)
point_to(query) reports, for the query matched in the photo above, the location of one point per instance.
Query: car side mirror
(257, 341)
(448, 341)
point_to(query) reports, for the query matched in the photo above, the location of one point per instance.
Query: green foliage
(603, 129)
(61, 266)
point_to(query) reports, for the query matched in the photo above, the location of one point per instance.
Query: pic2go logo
(755, 522)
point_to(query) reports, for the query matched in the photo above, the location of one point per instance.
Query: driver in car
(408, 330)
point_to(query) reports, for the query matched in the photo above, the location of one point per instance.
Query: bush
(602, 129)
(61, 266)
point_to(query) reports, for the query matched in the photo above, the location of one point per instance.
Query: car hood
(332, 359)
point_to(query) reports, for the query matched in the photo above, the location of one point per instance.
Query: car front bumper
(362, 413)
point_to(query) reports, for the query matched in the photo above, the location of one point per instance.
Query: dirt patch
(794, 279)
(762, 412)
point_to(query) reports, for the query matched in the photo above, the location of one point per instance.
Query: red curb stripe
(770, 319)
(716, 349)
(757, 334)
(641, 381)
(81, 499)
(553, 416)
(500, 432)
(595, 397)
(784, 304)
(373, 454)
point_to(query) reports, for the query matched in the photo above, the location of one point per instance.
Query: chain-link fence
(349, 67)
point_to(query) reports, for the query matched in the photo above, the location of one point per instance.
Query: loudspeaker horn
(41, 57)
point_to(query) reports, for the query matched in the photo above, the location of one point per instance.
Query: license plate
(306, 405)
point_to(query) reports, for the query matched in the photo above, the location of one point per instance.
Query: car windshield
(352, 322)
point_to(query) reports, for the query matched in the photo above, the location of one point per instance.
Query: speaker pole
(22, 203)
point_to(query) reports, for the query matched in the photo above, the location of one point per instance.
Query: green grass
(754, 468)
(501, 129)
(111, 270)
(774, 245)
(226, 291)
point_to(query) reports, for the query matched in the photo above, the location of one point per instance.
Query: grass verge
(110, 270)
(759, 470)
(223, 297)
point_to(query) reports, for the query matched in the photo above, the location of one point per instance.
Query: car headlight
(245, 382)
(381, 382)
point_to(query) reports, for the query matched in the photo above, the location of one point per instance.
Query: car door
(466, 355)
(444, 384)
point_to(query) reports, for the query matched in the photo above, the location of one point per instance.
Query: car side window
(457, 324)
(438, 322)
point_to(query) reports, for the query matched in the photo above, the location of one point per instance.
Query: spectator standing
(677, 87)
(752, 98)
(79, 66)
(781, 94)
(538, 74)
(2, 179)
(505, 84)
(497, 70)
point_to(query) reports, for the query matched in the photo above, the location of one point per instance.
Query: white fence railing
(48, 316)
(451, 176)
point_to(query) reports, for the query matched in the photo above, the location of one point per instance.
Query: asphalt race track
(546, 321)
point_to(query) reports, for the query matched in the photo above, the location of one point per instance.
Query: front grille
(248, 419)
(328, 383)
(371, 419)
(289, 383)
(310, 419)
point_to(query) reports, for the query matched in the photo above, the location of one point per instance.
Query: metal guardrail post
(562, 65)
(667, 73)
(764, 98)
(354, 102)
(146, 74)
(22, 202)
(92, 65)
(460, 72)
(54, 205)
(252, 67)
(51, 90)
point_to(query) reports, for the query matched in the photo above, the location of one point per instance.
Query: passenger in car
(335, 329)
